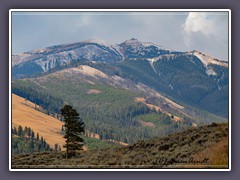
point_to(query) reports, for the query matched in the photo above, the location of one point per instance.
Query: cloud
(182, 31)
(199, 22)
(207, 32)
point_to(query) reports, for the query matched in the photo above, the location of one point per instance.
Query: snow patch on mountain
(171, 86)
(151, 61)
(114, 47)
(218, 80)
(50, 61)
(138, 45)
(206, 59)
(210, 71)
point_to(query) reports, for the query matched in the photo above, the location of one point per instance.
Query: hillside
(24, 114)
(201, 147)
(190, 78)
(125, 92)
(108, 104)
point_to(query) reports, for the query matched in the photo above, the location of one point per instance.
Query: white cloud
(199, 22)
(207, 32)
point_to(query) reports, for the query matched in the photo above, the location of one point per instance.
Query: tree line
(26, 140)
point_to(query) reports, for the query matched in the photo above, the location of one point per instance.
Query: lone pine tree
(74, 128)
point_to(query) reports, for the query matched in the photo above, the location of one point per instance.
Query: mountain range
(123, 88)
(96, 50)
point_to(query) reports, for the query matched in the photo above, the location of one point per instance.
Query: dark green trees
(73, 129)
(24, 141)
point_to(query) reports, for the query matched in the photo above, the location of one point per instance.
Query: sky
(182, 31)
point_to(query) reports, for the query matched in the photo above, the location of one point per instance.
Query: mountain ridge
(118, 48)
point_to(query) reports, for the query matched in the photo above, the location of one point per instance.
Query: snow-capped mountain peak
(98, 50)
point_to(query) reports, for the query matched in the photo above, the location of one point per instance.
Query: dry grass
(217, 154)
(87, 70)
(186, 149)
(93, 91)
(47, 126)
(24, 114)
(147, 124)
(143, 100)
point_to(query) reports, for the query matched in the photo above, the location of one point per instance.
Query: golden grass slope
(143, 100)
(24, 114)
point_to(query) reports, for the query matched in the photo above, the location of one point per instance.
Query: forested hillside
(190, 78)
(35, 131)
(110, 112)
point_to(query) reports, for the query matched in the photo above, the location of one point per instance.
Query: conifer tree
(29, 132)
(20, 131)
(25, 130)
(15, 131)
(74, 128)
(56, 147)
(37, 136)
(41, 140)
(33, 135)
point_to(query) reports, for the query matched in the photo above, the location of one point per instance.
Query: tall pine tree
(74, 128)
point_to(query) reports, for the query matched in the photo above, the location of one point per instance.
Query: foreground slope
(201, 147)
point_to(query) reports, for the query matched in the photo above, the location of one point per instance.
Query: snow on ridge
(147, 44)
(135, 42)
(206, 59)
(114, 47)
